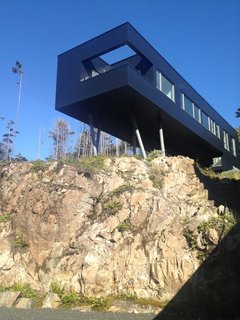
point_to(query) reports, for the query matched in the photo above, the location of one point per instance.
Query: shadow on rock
(213, 291)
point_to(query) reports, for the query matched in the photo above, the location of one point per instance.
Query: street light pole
(18, 70)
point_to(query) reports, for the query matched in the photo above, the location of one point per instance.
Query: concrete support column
(138, 135)
(162, 139)
(90, 118)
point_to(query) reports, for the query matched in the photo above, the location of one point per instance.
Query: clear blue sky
(200, 39)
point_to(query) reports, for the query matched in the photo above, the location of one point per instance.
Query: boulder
(8, 298)
(52, 301)
(24, 303)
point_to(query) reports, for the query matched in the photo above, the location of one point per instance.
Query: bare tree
(60, 135)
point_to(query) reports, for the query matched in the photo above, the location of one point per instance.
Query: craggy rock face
(121, 230)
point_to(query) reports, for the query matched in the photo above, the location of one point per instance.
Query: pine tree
(7, 141)
(238, 113)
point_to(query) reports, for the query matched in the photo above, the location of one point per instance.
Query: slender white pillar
(117, 147)
(90, 118)
(138, 135)
(162, 139)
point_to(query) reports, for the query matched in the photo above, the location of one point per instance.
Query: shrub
(154, 154)
(38, 165)
(190, 238)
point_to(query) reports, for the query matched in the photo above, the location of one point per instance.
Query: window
(205, 120)
(197, 113)
(218, 131)
(165, 86)
(233, 146)
(212, 126)
(187, 105)
(226, 140)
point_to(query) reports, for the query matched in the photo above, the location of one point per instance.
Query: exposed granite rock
(51, 301)
(121, 230)
(8, 298)
(24, 303)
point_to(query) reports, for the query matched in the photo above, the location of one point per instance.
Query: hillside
(101, 227)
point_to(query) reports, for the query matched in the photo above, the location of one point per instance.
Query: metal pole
(162, 139)
(138, 135)
(90, 118)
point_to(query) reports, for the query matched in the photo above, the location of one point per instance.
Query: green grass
(123, 188)
(19, 241)
(124, 226)
(3, 287)
(25, 289)
(150, 301)
(5, 218)
(55, 287)
(230, 174)
(127, 296)
(112, 206)
(97, 304)
(69, 299)
(91, 164)
(222, 224)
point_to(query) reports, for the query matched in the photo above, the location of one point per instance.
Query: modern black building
(141, 97)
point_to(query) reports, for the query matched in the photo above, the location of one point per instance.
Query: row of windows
(191, 108)
(167, 88)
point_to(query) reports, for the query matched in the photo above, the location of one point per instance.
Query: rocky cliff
(125, 226)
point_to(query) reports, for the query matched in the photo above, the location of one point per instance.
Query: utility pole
(19, 71)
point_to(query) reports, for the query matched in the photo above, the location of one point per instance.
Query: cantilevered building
(142, 97)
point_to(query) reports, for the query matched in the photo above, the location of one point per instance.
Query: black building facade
(141, 99)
